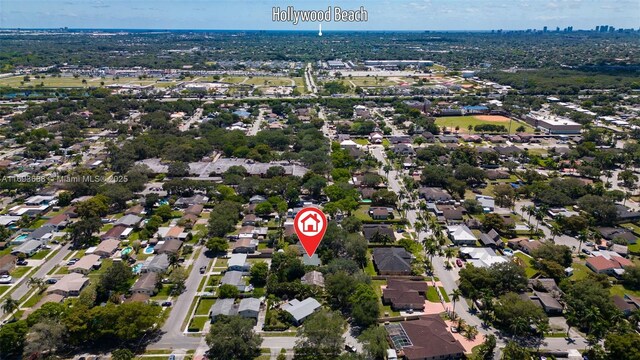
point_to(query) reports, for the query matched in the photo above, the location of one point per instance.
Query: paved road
(174, 337)
(256, 124)
(311, 85)
(192, 120)
(23, 286)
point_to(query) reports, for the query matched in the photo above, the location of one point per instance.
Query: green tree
(12, 338)
(122, 354)
(374, 342)
(178, 278)
(227, 291)
(233, 338)
(217, 245)
(10, 305)
(117, 277)
(487, 348)
(44, 338)
(364, 306)
(259, 272)
(321, 336)
(513, 351)
(518, 317)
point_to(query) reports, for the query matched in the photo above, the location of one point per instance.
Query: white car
(5, 279)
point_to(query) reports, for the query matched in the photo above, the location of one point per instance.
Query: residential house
(427, 338)
(549, 304)
(129, 221)
(168, 246)
(118, 232)
(135, 210)
(523, 244)
(392, 261)
(435, 195)
(157, 264)
(43, 234)
(626, 305)
(313, 278)
(235, 278)
(106, 248)
(28, 248)
(58, 222)
(249, 308)
(487, 202)
(70, 285)
(86, 264)
(405, 294)
(482, 257)
(300, 310)
(185, 202)
(225, 307)
(608, 262)
(195, 209)
(380, 213)
(238, 262)
(403, 149)
(251, 220)
(451, 213)
(246, 246)
(461, 235)
(491, 239)
(7, 263)
(374, 232)
(171, 233)
(146, 284)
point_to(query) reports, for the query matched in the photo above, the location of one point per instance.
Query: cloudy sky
(383, 14)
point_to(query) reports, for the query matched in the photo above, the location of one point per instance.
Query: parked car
(22, 262)
(459, 262)
(586, 251)
(350, 348)
(166, 303)
(203, 269)
(5, 279)
(589, 243)
(51, 281)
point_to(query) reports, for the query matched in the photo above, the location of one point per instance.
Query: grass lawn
(271, 81)
(633, 227)
(55, 82)
(223, 263)
(198, 322)
(463, 123)
(432, 294)
(204, 306)
(363, 213)
(3, 289)
(40, 254)
(444, 294)
(37, 224)
(361, 141)
(528, 261)
(33, 300)
(621, 291)
(580, 271)
(370, 269)
(19, 271)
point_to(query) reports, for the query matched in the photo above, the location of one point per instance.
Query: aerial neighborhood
(149, 196)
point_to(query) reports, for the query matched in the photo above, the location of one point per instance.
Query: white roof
(301, 309)
(461, 232)
(237, 260)
(482, 257)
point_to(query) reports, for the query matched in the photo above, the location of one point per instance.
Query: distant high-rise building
(612, 29)
(604, 28)
(597, 28)
(570, 28)
(557, 28)
(544, 29)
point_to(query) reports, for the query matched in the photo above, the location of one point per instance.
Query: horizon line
(552, 30)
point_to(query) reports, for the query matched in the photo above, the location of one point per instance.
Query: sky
(257, 14)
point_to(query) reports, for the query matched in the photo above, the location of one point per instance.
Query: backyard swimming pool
(126, 251)
(136, 268)
(148, 250)
(20, 238)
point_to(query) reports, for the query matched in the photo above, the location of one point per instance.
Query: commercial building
(552, 124)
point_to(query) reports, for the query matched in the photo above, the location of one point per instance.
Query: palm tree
(470, 128)
(471, 332)
(555, 231)
(449, 253)
(9, 306)
(529, 210)
(455, 296)
(583, 236)
(173, 260)
(37, 283)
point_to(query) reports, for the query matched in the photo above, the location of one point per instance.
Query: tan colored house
(86, 264)
(107, 248)
(69, 285)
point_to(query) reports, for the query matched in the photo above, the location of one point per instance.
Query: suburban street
(23, 287)
(173, 337)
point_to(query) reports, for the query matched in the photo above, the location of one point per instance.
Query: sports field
(71, 82)
(463, 122)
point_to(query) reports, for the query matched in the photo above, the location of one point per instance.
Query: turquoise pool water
(136, 268)
(148, 250)
(20, 238)
(126, 251)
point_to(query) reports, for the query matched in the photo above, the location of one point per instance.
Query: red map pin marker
(310, 225)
